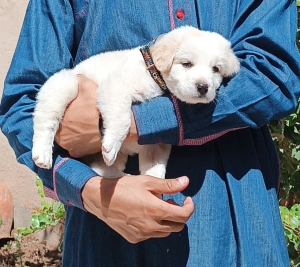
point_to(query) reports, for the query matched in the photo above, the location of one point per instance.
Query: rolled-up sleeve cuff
(156, 121)
(69, 177)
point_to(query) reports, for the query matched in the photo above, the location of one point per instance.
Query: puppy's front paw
(42, 157)
(110, 152)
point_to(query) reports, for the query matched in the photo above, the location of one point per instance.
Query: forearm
(36, 58)
(65, 181)
(264, 89)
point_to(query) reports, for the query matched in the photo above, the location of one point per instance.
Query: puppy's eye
(186, 64)
(215, 69)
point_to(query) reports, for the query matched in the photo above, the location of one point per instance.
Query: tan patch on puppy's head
(163, 51)
(163, 54)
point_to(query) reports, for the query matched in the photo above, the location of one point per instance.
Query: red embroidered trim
(83, 12)
(198, 141)
(205, 139)
(171, 14)
(180, 123)
(50, 193)
(54, 175)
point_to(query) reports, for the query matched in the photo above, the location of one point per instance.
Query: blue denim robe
(224, 147)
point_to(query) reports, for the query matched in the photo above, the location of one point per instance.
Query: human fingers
(166, 186)
(134, 235)
(170, 211)
(171, 201)
(137, 233)
(148, 216)
(149, 226)
(176, 213)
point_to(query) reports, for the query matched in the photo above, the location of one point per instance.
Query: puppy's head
(193, 63)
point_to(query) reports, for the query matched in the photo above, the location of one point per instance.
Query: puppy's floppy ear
(231, 64)
(163, 53)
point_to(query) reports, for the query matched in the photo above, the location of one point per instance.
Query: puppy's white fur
(186, 57)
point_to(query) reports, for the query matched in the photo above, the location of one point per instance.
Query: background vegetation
(286, 136)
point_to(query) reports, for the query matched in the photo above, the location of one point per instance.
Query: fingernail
(182, 180)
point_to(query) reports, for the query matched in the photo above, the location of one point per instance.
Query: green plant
(16, 244)
(286, 136)
(46, 215)
(291, 222)
(287, 140)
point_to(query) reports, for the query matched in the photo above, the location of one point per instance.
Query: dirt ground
(34, 250)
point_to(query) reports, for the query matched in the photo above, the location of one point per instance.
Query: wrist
(91, 192)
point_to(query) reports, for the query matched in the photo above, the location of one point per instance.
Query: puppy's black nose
(202, 88)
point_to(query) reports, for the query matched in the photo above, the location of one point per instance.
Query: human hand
(129, 205)
(79, 131)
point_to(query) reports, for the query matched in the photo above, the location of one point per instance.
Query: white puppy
(187, 62)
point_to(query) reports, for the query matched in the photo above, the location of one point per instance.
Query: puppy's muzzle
(202, 89)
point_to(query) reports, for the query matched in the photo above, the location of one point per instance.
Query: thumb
(169, 186)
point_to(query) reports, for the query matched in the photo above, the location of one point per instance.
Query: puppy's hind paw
(42, 163)
(158, 171)
(42, 160)
(110, 154)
